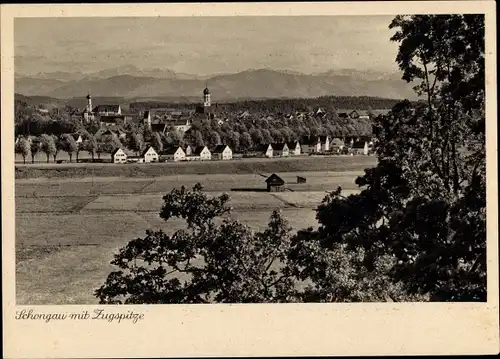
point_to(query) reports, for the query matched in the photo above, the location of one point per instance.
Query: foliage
(135, 142)
(68, 144)
(23, 147)
(206, 262)
(48, 146)
(423, 206)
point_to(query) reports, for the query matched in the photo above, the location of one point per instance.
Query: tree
(224, 263)
(108, 144)
(57, 143)
(69, 145)
(245, 142)
(214, 139)
(48, 146)
(91, 146)
(157, 143)
(135, 142)
(23, 147)
(424, 203)
(257, 137)
(35, 147)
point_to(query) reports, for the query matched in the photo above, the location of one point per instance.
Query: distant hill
(131, 82)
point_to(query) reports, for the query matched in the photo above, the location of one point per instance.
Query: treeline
(280, 105)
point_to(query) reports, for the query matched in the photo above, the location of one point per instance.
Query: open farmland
(67, 230)
(236, 166)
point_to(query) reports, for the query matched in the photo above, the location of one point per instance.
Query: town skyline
(205, 46)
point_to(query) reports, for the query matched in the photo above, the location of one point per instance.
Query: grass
(66, 236)
(51, 204)
(245, 166)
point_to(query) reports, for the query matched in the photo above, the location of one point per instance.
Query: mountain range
(132, 82)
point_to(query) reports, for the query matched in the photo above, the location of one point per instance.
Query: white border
(258, 329)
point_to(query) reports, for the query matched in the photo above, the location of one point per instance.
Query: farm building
(174, 154)
(280, 150)
(275, 183)
(310, 145)
(294, 148)
(325, 143)
(203, 153)
(359, 147)
(222, 152)
(118, 156)
(149, 155)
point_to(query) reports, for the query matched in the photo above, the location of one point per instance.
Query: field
(67, 230)
(236, 166)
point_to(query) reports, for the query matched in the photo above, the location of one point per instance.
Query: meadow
(67, 229)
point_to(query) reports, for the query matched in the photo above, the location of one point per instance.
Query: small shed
(275, 183)
(301, 179)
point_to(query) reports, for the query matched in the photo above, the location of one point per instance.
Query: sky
(205, 45)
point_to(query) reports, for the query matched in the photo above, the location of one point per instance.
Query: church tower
(89, 103)
(206, 98)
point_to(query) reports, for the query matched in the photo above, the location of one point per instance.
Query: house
(263, 150)
(364, 115)
(310, 145)
(188, 150)
(203, 153)
(118, 156)
(294, 148)
(347, 113)
(280, 150)
(181, 125)
(359, 147)
(336, 144)
(222, 152)
(325, 143)
(174, 154)
(107, 110)
(149, 155)
(275, 183)
(114, 120)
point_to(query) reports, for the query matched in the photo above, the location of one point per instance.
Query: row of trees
(284, 106)
(51, 145)
(417, 231)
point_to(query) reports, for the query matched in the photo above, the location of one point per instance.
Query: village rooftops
(146, 150)
(198, 150)
(261, 148)
(171, 150)
(219, 149)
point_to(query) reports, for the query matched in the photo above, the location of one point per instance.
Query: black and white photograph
(234, 160)
(199, 158)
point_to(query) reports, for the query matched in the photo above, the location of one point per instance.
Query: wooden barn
(275, 183)
(301, 179)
